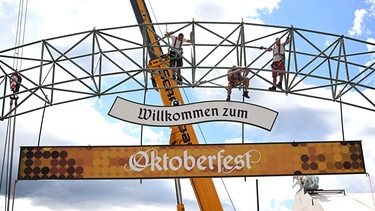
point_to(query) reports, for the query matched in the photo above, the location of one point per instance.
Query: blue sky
(334, 16)
(299, 118)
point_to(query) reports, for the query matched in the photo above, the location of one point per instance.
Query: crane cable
(156, 20)
(20, 33)
(160, 31)
(10, 153)
(9, 143)
(204, 138)
(5, 157)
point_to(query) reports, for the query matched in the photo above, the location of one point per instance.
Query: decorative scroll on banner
(230, 160)
(162, 116)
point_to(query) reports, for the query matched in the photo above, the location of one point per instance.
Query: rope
(169, 44)
(202, 82)
(169, 47)
(241, 85)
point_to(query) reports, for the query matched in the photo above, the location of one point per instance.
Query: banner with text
(193, 113)
(219, 160)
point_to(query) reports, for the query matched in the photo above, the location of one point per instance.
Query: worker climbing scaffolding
(278, 63)
(175, 52)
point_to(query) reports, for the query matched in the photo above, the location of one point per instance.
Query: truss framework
(112, 61)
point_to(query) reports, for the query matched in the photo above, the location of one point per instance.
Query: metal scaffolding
(113, 61)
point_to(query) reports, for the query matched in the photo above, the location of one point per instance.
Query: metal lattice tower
(113, 61)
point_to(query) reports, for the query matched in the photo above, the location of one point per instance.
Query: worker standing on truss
(278, 63)
(176, 51)
(236, 77)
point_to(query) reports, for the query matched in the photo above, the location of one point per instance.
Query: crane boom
(204, 188)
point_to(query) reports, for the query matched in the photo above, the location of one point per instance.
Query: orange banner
(230, 160)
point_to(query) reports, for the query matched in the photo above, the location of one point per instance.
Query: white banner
(165, 116)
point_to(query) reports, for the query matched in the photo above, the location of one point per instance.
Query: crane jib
(147, 29)
(204, 188)
(171, 96)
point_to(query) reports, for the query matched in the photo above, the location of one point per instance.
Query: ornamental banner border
(190, 161)
(167, 116)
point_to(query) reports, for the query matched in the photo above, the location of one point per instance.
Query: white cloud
(372, 7)
(81, 123)
(357, 28)
(221, 10)
(371, 47)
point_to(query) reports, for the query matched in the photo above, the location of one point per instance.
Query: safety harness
(180, 47)
(238, 77)
(276, 65)
(176, 55)
(282, 56)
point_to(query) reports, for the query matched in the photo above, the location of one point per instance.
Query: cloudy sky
(87, 123)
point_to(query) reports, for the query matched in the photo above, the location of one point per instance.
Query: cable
(5, 174)
(10, 136)
(20, 33)
(372, 193)
(200, 129)
(204, 138)
(8, 156)
(230, 198)
(11, 146)
(156, 20)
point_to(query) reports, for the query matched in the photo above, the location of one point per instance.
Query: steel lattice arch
(113, 61)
